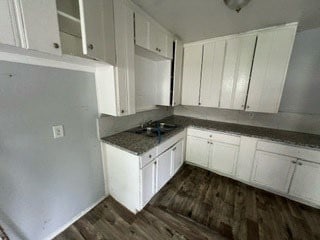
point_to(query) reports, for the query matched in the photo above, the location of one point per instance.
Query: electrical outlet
(58, 131)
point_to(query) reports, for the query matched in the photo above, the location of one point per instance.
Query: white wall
(300, 104)
(45, 182)
(109, 125)
(302, 88)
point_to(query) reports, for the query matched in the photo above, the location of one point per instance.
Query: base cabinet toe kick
(287, 170)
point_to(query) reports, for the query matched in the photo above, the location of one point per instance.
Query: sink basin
(153, 129)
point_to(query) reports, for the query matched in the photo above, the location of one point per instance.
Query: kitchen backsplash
(109, 125)
(308, 123)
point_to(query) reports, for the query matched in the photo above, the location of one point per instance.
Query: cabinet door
(198, 150)
(236, 74)
(177, 157)
(269, 70)
(142, 31)
(8, 24)
(273, 171)
(178, 55)
(212, 68)
(223, 158)
(40, 23)
(148, 177)
(192, 61)
(124, 71)
(169, 47)
(158, 40)
(163, 169)
(92, 28)
(247, 151)
(305, 182)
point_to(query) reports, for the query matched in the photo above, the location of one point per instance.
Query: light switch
(58, 131)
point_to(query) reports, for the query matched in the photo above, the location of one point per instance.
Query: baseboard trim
(74, 219)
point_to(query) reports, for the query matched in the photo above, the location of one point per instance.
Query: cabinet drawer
(148, 157)
(215, 136)
(292, 151)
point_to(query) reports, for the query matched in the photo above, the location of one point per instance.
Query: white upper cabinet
(87, 29)
(236, 73)
(8, 24)
(142, 31)
(40, 26)
(158, 40)
(269, 70)
(91, 17)
(116, 85)
(241, 72)
(177, 74)
(125, 77)
(192, 62)
(212, 69)
(150, 36)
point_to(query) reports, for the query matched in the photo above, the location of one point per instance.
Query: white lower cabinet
(133, 180)
(198, 150)
(273, 171)
(148, 181)
(177, 156)
(163, 164)
(285, 169)
(223, 158)
(305, 182)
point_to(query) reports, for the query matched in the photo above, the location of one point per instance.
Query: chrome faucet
(146, 124)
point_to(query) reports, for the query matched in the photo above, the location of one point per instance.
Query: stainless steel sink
(153, 129)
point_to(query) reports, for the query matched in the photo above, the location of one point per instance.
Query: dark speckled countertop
(139, 144)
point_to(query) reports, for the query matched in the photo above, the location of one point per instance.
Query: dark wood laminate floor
(197, 204)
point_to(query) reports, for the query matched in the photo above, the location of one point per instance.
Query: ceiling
(195, 20)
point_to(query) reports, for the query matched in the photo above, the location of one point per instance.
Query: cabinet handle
(155, 163)
(56, 45)
(199, 103)
(150, 156)
(90, 46)
(294, 162)
(300, 164)
(159, 50)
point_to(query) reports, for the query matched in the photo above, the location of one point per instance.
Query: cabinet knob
(294, 162)
(300, 164)
(90, 46)
(56, 45)
(210, 136)
(150, 156)
(175, 148)
(248, 107)
(199, 103)
(122, 111)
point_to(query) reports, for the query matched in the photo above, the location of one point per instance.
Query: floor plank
(197, 204)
